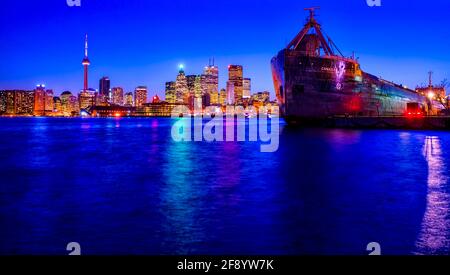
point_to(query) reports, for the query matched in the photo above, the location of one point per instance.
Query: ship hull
(315, 87)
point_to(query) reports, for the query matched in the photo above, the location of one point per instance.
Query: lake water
(123, 186)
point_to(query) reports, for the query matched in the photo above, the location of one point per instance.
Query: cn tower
(86, 63)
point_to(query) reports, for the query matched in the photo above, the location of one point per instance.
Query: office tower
(247, 87)
(117, 96)
(16, 102)
(170, 92)
(74, 106)
(48, 102)
(39, 101)
(214, 97)
(223, 97)
(211, 79)
(65, 107)
(230, 93)
(86, 99)
(199, 87)
(190, 79)
(104, 90)
(140, 96)
(235, 76)
(129, 99)
(57, 105)
(104, 86)
(181, 87)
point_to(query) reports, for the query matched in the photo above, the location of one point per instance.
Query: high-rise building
(211, 75)
(65, 107)
(140, 96)
(16, 102)
(39, 101)
(235, 76)
(230, 93)
(129, 99)
(57, 105)
(104, 86)
(86, 99)
(74, 106)
(247, 88)
(171, 92)
(48, 102)
(190, 79)
(181, 87)
(214, 97)
(104, 90)
(223, 97)
(117, 96)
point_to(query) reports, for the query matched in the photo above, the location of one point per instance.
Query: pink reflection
(435, 232)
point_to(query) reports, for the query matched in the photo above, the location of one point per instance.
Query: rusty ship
(314, 80)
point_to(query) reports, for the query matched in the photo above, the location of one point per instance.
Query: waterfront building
(263, 97)
(86, 99)
(117, 96)
(39, 101)
(247, 87)
(230, 93)
(129, 99)
(112, 111)
(235, 76)
(170, 93)
(57, 106)
(48, 102)
(73, 106)
(181, 87)
(140, 96)
(159, 109)
(16, 102)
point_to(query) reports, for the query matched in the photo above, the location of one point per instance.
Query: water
(122, 186)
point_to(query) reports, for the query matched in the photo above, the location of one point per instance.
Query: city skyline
(136, 53)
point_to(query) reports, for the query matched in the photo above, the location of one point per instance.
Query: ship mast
(312, 24)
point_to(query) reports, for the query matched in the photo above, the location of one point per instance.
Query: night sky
(141, 42)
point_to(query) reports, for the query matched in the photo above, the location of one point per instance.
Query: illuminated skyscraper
(39, 101)
(235, 76)
(16, 102)
(48, 102)
(211, 75)
(230, 93)
(140, 96)
(247, 87)
(190, 79)
(181, 87)
(129, 99)
(86, 99)
(117, 96)
(104, 90)
(171, 92)
(57, 106)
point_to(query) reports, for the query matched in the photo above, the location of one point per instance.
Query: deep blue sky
(141, 42)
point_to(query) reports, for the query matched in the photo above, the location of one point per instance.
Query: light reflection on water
(434, 235)
(132, 189)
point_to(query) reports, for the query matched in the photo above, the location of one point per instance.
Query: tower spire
(86, 46)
